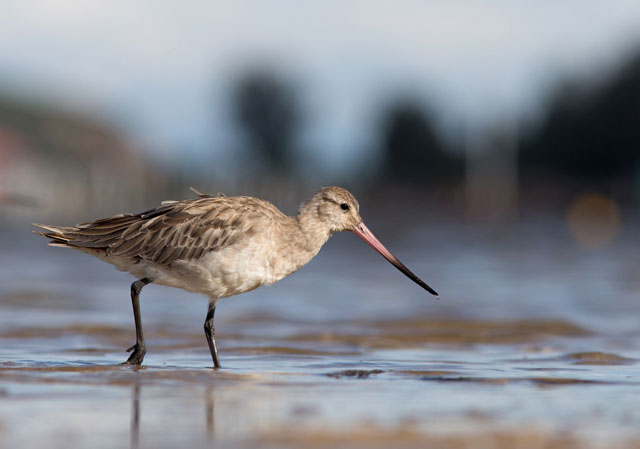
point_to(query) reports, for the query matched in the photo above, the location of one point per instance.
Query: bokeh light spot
(593, 220)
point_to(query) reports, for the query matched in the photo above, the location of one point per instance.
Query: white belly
(217, 274)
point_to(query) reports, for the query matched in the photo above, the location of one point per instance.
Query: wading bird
(216, 245)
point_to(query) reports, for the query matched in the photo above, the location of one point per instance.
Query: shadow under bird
(216, 245)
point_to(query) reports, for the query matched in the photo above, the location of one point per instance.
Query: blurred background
(474, 111)
(494, 147)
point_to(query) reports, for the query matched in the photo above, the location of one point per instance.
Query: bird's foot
(136, 356)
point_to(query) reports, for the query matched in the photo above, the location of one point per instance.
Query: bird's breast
(249, 263)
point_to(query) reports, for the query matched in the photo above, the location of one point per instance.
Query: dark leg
(138, 349)
(209, 331)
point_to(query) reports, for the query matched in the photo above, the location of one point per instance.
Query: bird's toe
(136, 356)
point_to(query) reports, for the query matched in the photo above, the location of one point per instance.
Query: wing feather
(179, 230)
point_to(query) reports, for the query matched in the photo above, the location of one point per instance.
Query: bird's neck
(313, 231)
(299, 240)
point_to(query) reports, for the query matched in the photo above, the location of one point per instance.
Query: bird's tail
(58, 234)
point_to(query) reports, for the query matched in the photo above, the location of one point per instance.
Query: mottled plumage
(216, 245)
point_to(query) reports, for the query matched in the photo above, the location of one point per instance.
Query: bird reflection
(209, 412)
(135, 415)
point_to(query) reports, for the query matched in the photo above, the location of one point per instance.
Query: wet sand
(514, 387)
(325, 361)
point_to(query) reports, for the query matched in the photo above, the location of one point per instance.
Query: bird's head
(335, 209)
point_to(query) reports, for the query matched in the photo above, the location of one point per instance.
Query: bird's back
(173, 236)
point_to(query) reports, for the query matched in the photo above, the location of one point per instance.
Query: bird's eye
(344, 206)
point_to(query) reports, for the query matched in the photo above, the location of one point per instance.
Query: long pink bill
(365, 234)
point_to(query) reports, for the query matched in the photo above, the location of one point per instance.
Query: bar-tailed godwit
(216, 245)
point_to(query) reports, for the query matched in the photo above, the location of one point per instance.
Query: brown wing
(179, 230)
(185, 230)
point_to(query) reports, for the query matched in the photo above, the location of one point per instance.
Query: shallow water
(535, 343)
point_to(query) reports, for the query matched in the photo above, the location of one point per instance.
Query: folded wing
(180, 230)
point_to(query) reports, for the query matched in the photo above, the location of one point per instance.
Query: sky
(162, 71)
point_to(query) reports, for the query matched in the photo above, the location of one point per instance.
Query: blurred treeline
(587, 136)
